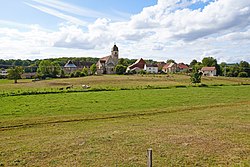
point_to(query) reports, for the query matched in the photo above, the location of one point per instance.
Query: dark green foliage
(93, 69)
(77, 73)
(170, 61)
(142, 72)
(243, 74)
(85, 71)
(15, 73)
(123, 62)
(195, 77)
(120, 69)
(49, 69)
(209, 62)
(193, 62)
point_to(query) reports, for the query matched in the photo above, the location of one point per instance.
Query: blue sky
(182, 30)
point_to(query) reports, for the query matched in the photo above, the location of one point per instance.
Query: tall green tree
(56, 69)
(45, 68)
(85, 71)
(244, 64)
(15, 73)
(93, 68)
(209, 62)
(193, 62)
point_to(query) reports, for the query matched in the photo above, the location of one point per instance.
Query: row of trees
(241, 69)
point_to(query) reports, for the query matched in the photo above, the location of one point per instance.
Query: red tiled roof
(152, 65)
(139, 63)
(166, 66)
(208, 69)
(182, 66)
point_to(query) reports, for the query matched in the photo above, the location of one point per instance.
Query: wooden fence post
(150, 156)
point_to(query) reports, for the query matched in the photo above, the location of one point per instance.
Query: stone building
(106, 65)
(69, 67)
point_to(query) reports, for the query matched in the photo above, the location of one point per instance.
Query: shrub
(243, 74)
(120, 69)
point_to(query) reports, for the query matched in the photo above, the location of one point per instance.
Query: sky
(182, 30)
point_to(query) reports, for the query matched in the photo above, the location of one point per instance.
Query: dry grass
(115, 81)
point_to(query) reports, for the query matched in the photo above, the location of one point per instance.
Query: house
(182, 67)
(3, 73)
(151, 68)
(137, 66)
(28, 75)
(69, 67)
(106, 65)
(208, 71)
(160, 65)
(170, 68)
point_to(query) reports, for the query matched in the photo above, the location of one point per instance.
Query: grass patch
(113, 124)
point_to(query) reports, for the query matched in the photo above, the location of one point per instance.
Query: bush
(243, 75)
(196, 77)
(77, 73)
(120, 69)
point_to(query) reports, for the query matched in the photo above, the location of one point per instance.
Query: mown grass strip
(57, 91)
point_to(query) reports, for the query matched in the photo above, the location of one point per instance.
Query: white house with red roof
(106, 65)
(208, 71)
(170, 68)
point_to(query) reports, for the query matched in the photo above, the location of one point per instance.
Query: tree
(195, 77)
(244, 64)
(93, 68)
(15, 73)
(193, 62)
(243, 75)
(85, 71)
(170, 61)
(120, 69)
(209, 62)
(77, 73)
(62, 73)
(56, 69)
(45, 68)
(123, 61)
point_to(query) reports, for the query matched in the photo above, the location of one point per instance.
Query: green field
(185, 126)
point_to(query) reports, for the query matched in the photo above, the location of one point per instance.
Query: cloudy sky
(152, 29)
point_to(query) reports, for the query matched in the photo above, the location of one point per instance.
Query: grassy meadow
(185, 126)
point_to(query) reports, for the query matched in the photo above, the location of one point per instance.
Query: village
(109, 64)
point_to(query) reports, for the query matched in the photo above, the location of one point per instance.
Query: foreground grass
(185, 127)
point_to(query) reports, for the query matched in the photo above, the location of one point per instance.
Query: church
(106, 65)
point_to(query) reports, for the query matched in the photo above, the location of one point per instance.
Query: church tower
(115, 52)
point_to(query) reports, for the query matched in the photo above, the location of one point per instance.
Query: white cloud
(58, 14)
(168, 30)
(81, 11)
